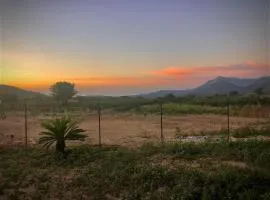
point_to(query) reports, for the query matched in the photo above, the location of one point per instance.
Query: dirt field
(123, 129)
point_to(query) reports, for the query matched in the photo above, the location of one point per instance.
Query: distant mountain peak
(221, 85)
(217, 80)
(220, 78)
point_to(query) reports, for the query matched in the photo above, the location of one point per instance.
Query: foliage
(63, 91)
(8, 98)
(176, 108)
(149, 172)
(59, 131)
(244, 105)
(250, 131)
(253, 152)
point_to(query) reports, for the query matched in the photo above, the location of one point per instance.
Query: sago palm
(58, 131)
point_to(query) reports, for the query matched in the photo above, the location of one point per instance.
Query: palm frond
(75, 133)
(45, 139)
(59, 130)
(48, 144)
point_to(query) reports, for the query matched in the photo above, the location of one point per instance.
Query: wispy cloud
(172, 71)
(33, 74)
(246, 69)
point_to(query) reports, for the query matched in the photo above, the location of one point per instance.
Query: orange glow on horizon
(32, 72)
(92, 82)
(172, 71)
(246, 69)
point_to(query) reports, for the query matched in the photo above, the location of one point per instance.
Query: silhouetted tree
(234, 93)
(63, 91)
(259, 91)
(170, 97)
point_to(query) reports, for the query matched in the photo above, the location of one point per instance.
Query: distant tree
(80, 98)
(259, 91)
(170, 97)
(191, 96)
(63, 91)
(233, 93)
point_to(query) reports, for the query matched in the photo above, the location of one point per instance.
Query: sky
(122, 47)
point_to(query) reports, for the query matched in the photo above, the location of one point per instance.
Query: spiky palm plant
(58, 131)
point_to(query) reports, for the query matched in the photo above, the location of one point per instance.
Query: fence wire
(20, 121)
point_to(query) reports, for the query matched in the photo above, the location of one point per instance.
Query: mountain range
(219, 85)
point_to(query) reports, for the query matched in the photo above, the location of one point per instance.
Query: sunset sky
(120, 47)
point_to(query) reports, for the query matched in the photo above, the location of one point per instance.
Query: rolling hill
(18, 92)
(220, 85)
(261, 83)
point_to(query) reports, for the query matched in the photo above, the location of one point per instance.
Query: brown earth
(122, 129)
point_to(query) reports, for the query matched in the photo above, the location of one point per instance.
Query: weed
(96, 173)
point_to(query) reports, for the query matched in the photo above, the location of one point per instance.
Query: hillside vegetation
(11, 93)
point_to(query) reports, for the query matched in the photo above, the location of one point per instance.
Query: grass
(249, 131)
(252, 130)
(152, 171)
(177, 108)
(180, 133)
(240, 105)
(252, 152)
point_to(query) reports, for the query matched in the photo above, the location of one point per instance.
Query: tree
(58, 131)
(170, 97)
(233, 93)
(259, 91)
(63, 91)
(9, 97)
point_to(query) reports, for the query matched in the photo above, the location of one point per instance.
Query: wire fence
(20, 122)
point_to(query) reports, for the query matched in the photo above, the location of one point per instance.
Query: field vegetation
(210, 167)
(238, 170)
(251, 105)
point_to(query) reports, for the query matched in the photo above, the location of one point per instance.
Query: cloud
(246, 69)
(172, 71)
(39, 72)
(140, 81)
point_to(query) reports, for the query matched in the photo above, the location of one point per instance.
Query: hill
(6, 90)
(162, 93)
(262, 84)
(220, 85)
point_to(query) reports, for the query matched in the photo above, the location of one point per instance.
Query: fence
(160, 122)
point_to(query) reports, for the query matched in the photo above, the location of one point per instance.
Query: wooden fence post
(25, 124)
(228, 118)
(99, 127)
(161, 123)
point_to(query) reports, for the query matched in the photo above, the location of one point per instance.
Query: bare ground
(122, 129)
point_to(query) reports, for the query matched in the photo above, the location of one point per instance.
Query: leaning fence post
(99, 127)
(161, 123)
(228, 118)
(25, 124)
